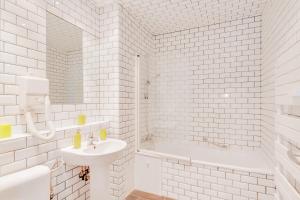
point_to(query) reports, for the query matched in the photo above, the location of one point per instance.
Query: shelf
(60, 129)
(14, 137)
(90, 124)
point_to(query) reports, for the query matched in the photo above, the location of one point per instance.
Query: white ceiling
(163, 16)
(63, 35)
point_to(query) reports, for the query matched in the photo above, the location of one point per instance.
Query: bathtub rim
(155, 154)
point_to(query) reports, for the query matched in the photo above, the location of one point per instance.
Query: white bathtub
(163, 158)
(254, 161)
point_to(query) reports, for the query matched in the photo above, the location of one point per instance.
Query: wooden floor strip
(140, 195)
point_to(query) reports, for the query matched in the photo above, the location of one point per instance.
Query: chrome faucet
(92, 140)
(216, 144)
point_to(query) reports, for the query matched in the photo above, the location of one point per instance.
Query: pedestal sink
(98, 157)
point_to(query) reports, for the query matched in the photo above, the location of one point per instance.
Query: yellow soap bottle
(77, 140)
(5, 131)
(81, 119)
(103, 134)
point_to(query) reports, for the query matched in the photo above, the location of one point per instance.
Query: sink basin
(101, 153)
(98, 157)
(105, 148)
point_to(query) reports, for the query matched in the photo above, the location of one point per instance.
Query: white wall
(209, 85)
(225, 56)
(280, 69)
(134, 39)
(184, 181)
(23, 50)
(108, 74)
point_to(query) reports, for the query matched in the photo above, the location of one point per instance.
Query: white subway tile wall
(105, 95)
(208, 89)
(170, 16)
(206, 85)
(30, 38)
(109, 84)
(280, 69)
(133, 40)
(185, 181)
(23, 50)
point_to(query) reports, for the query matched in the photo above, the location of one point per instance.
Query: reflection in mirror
(64, 61)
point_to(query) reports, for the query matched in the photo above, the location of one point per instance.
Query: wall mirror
(64, 61)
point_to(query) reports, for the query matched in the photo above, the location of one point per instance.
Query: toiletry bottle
(5, 131)
(77, 140)
(81, 119)
(103, 134)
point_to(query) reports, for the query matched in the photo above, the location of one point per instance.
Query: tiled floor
(139, 195)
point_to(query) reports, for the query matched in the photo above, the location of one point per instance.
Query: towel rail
(282, 156)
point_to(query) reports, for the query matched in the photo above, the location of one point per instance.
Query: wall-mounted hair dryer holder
(34, 93)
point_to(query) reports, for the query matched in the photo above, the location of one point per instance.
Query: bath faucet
(216, 144)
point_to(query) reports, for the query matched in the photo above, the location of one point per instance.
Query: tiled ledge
(59, 130)
(71, 127)
(15, 137)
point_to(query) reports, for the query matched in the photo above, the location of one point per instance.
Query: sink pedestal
(99, 182)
